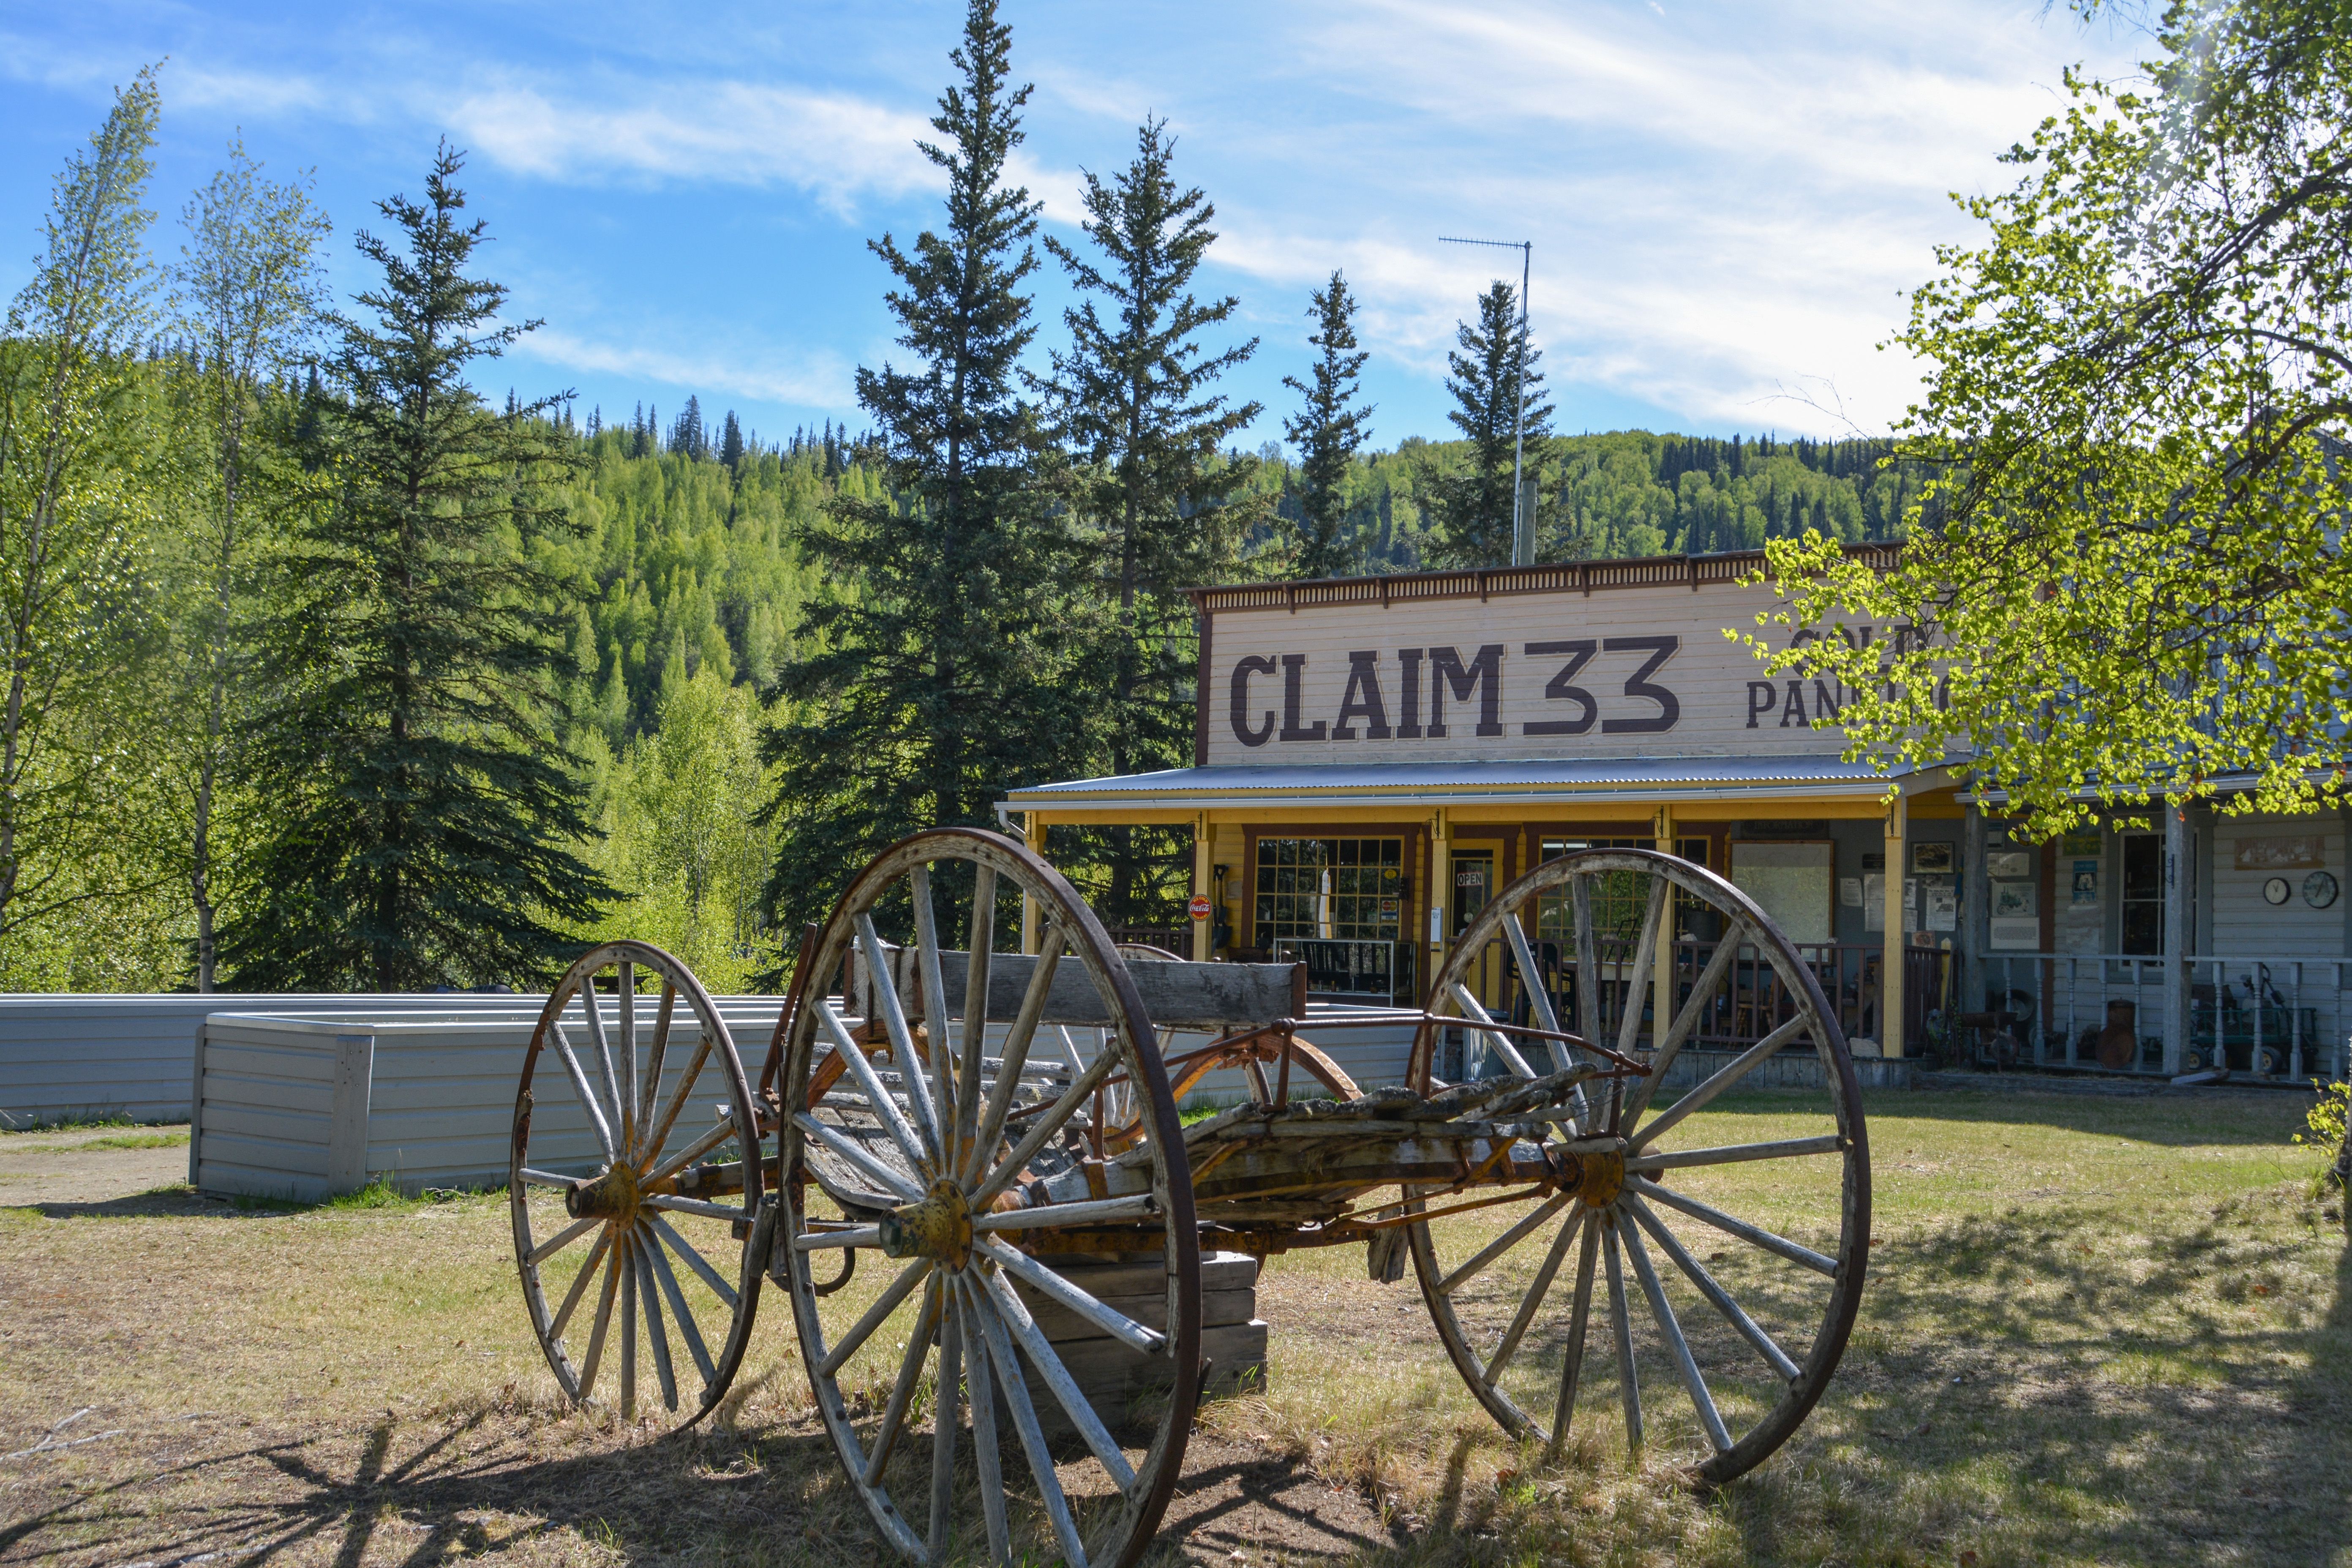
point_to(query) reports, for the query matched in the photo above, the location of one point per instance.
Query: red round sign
(1200, 906)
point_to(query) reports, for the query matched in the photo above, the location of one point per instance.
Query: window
(1352, 889)
(2142, 892)
(1619, 899)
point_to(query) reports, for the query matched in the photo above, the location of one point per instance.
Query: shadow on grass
(2034, 1429)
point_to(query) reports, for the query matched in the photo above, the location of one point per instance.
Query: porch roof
(1531, 779)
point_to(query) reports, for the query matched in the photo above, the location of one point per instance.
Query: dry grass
(2098, 1329)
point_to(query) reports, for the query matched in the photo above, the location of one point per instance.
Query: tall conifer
(1326, 430)
(1165, 507)
(424, 816)
(1470, 507)
(941, 684)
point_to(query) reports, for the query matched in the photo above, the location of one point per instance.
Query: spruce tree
(1470, 509)
(1326, 431)
(943, 682)
(730, 445)
(424, 818)
(1164, 508)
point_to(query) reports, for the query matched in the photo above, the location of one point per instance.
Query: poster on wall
(2013, 934)
(1850, 892)
(2087, 881)
(1873, 900)
(2008, 865)
(2286, 852)
(2013, 899)
(1943, 909)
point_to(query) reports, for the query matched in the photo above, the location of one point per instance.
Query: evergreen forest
(329, 671)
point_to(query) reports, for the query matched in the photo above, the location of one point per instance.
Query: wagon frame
(996, 1186)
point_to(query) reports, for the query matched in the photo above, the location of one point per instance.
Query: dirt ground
(2100, 1329)
(89, 1165)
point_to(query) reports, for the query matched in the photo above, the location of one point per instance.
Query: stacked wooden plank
(1117, 1379)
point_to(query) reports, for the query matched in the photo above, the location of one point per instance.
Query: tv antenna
(1523, 523)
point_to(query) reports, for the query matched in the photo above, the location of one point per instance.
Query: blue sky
(1726, 200)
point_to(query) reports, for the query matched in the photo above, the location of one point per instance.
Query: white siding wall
(2244, 926)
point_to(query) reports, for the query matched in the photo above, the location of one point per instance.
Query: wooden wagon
(959, 1163)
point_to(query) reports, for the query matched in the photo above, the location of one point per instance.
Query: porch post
(1203, 931)
(1890, 976)
(1440, 901)
(1976, 898)
(2176, 935)
(1033, 833)
(1662, 997)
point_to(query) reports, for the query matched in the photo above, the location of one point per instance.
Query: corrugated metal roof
(1405, 780)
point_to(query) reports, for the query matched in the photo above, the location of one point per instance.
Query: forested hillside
(326, 672)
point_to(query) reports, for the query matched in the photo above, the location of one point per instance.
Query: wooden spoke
(603, 1319)
(1731, 1072)
(1151, 1341)
(1716, 1294)
(654, 1063)
(562, 1239)
(947, 1413)
(544, 1178)
(1645, 964)
(1033, 1344)
(1629, 1386)
(1538, 999)
(597, 1121)
(910, 1371)
(1702, 996)
(1510, 1238)
(987, 1452)
(975, 1025)
(1041, 1131)
(1733, 1154)
(882, 1175)
(1579, 1318)
(1588, 958)
(1671, 1330)
(910, 1061)
(929, 974)
(1533, 1300)
(625, 993)
(626, 1254)
(693, 1065)
(1502, 1042)
(651, 1297)
(594, 1011)
(1096, 1211)
(694, 1260)
(1016, 1056)
(1731, 1225)
(667, 1278)
(694, 1151)
(1032, 1437)
(580, 1287)
(876, 1316)
(886, 1109)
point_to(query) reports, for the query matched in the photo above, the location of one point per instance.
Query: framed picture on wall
(1933, 859)
(2009, 865)
(2011, 899)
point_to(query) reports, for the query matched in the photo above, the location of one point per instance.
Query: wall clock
(2276, 891)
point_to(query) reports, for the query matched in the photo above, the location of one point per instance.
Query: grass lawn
(2099, 1328)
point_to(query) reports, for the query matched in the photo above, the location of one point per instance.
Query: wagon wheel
(656, 1197)
(1748, 1320)
(933, 1188)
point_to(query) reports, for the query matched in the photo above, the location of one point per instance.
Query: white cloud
(833, 145)
(814, 379)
